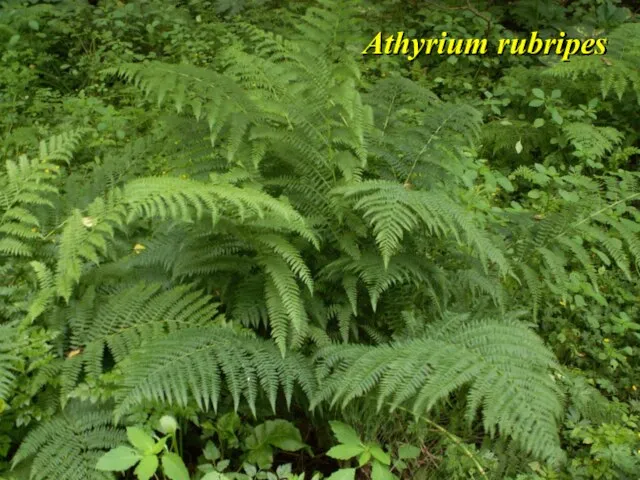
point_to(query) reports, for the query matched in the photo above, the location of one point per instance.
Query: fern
(189, 365)
(85, 238)
(280, 207)
(618, 71)
(7, 359)
(122, 320)
(69, 445)
(590, 142)
(423, 148)
(594, 227)
(510, 381)
(392, 210)
(26, 185)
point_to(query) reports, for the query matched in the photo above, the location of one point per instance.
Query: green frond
(505, 364)
(7, 360)
(84, 238)
(593, 229)
(26, 184)
(591, 142)
(46, 292)
(69, 445)
(290, 255)
(192, 363)
(426, 146)
(618, 71)
(122, 320)
(211, 95)
(283, 300)
(393, 210)
(369, 269)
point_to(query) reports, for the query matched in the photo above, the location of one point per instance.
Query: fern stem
(454, 438)
(594, 214)
(55, 229)
(433, 135)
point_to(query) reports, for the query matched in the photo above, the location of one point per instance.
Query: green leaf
(173, 467)
(518, 147)
(140, 439)
(33, 25)
(536, 103)
(118, 459)
(285, 436)
(250, 470)
(505, 183)
(364, 458)
(215, 476)
(399, 465)
(537, 93)
(211, 452)
(569, 196)
(345, 452)
(605, 259)
(159, 445)
(534, 194)
(277, 433)
(538, 122)
(345, 434)
(343, 474)
(284, 469)
(380, 472)
(380, 455)
(407, 451)
(147, 467)
(556, 117)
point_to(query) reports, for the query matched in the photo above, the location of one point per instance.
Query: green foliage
(505, 363)
(351, 446)
(7, 358)
(144, 454)
(187, 365)
(78, 435)
(617, 71)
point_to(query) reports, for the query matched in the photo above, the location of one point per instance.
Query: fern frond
(393, 210)
(618, 70)
(7, 360)
(45, 294)
(191, 363)
(209, 94)
(84, 238)
(26, 184)
(591, 142)
(505, 364)
(69, 445)
(121, 321)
